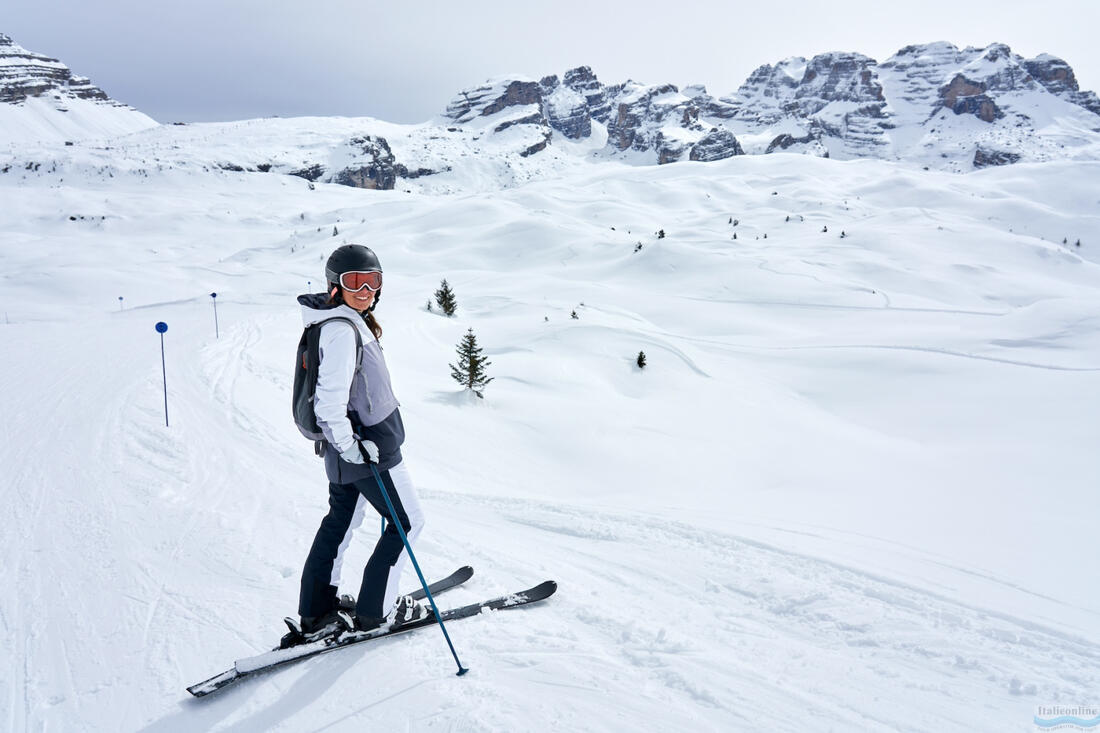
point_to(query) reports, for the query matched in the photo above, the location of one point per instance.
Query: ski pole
(424, 583)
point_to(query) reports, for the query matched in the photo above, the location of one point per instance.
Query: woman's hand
(360, 451)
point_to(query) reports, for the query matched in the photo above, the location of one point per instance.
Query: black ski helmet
(349, 258)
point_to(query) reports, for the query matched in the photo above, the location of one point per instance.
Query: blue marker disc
(161, 326)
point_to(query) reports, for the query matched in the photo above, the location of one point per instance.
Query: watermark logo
(1062, 717)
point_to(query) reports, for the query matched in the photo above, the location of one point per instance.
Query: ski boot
(405, 611)
(314, 628)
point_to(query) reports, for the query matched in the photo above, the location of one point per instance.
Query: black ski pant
(347, 504)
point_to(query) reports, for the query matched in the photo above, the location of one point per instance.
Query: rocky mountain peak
(26, 74)
(843, 77)
(841, 104)
(1056, 76)
(47, 101)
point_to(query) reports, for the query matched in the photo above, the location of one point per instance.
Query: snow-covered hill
(853, 489)
(41, 100)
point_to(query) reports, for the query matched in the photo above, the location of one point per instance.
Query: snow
(563, 100)
(794, 67)
(855, 484)
(54, 119)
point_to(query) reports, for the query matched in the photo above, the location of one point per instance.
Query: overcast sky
(403, 61)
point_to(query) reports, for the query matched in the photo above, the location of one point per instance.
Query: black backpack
(305, 376)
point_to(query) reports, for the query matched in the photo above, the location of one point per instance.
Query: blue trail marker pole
(161, 328)
(309, 286)
(214, 297)
(120, 302)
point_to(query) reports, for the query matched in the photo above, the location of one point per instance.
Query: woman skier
(358, 414)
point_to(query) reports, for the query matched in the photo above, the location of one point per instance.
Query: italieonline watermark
(1067, 717)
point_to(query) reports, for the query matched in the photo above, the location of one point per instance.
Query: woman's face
(358, 301)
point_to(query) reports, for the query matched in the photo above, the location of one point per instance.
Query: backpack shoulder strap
(358, 338)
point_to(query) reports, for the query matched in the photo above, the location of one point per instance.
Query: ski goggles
(356, 280)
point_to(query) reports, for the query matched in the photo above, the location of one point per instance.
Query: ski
(347, 602)
(243, 668)
(453, 580)
(282, 656)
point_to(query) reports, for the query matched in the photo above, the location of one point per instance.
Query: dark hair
(337, 297)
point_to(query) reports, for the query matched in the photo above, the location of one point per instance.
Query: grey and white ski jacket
(352, 403)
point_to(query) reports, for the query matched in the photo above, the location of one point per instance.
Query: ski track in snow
(742, 601)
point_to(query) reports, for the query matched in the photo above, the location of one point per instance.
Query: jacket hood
(316, 308)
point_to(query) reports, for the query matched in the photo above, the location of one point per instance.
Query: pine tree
(429, 306)
(575, 316)
(641, 360)
(445, 297)
(470, 370)
(335, 231)
(660, 234)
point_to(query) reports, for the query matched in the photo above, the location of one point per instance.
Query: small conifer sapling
(445, 298)
(641, 360)
(470, 370)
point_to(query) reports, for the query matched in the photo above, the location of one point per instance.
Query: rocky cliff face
(659, 122)
(1056, 76)
(48, 101)
(26, 74)
(933, 103)
(374, 166)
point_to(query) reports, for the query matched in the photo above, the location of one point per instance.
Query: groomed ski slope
(854, 489)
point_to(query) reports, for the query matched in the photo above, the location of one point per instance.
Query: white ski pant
(382, 575)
